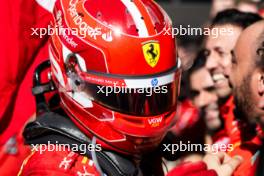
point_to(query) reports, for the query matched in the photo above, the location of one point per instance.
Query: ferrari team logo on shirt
(151, 52)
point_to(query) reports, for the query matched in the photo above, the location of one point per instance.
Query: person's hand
(222, 163)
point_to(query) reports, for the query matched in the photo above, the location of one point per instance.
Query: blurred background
(185, 12)
(196, 12)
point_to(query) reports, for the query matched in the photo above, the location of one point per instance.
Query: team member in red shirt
(203, 93)
(247, 79)
(218, 50)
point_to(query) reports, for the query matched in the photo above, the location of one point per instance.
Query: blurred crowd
(209, 105)
(214, 107)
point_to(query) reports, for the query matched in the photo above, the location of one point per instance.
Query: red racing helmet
(115, 66)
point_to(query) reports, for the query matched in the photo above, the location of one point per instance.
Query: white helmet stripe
(65, 52)
(47, 4)
(81, 98)
(150, 82)
(58, 74)
(136, 15)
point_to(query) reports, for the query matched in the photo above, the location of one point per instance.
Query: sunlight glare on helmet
(117, 31)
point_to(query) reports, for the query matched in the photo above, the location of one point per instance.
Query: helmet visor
(137, 96)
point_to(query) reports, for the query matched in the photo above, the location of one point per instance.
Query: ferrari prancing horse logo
(151, 52)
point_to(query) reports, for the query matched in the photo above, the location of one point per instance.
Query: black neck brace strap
(53, 128)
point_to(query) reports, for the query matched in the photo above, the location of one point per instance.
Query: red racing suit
(20, 53)
(68, 163)
(12, 155)
(245, 142)
(52, 126)
(192, 169)
(64, 163)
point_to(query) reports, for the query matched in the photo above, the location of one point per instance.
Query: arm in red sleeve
(18, 49)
